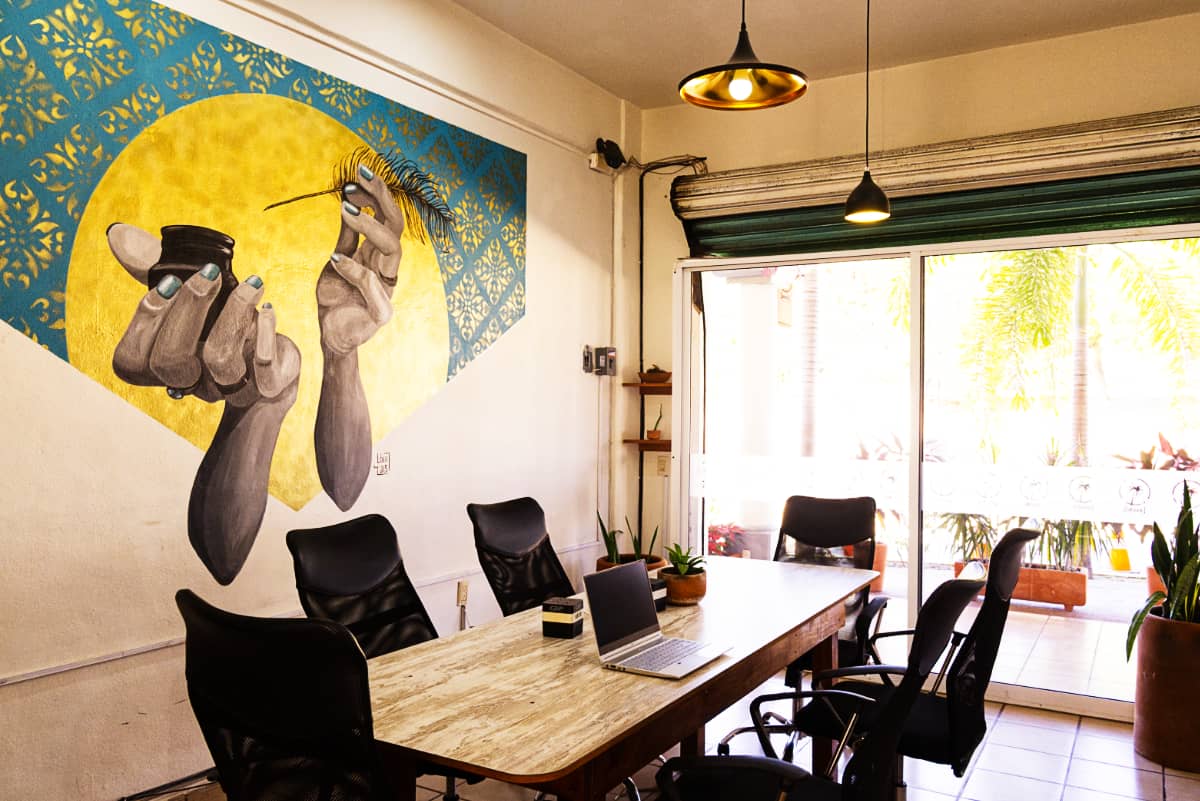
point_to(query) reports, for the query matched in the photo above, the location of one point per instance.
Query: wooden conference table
(505, 702)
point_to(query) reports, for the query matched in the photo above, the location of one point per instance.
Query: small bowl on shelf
(656, 377)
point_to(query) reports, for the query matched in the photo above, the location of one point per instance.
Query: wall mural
(276, 264)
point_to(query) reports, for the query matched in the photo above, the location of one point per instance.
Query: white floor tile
(1181, 788)
(1095, 727)
(1048, 741)
(917, 794)
(1022, 762)
(985, 785)
(1082, 794)
(931, 777)
(1111, 751)
(1116, 779)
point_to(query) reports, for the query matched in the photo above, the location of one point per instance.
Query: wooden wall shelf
(650, 444)
(650, 389)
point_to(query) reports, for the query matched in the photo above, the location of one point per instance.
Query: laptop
(626, 627)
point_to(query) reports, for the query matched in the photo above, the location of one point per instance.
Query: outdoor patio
(1044, 646)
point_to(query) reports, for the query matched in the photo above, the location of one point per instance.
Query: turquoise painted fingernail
(168, 286)
(210, 271)
(254, 281)
(335, 257)
(350, 207)
(365, 173)
(350, 188)
(268, 306)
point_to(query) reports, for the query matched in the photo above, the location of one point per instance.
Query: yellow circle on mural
(218, 163)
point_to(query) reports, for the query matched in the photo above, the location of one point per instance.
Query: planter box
(1047, 585)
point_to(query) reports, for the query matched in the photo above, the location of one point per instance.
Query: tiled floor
(1080, 652)
(1027, 755)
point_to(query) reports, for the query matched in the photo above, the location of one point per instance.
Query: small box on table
(562, 617)
(658, 587)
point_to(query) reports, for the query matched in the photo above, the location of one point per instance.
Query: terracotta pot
(1166, 709)
(652, 562)
(654, 433)
(686, 590)
(1153, 582)
(1066, 587)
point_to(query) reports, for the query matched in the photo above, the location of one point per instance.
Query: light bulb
(740, 88)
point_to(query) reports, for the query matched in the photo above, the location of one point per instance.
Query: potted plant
(655, 375)
(1166, 708)
(686, 580)
(612, 553)
(726, 539)
(1053, 573)
(654, 432)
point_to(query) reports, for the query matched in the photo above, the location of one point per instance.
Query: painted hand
(354, 294)
(354, 290)
(243, 361)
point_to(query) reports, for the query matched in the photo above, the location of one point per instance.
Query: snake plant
(1178, 569)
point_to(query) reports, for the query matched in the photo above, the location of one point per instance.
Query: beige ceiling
(639, 49)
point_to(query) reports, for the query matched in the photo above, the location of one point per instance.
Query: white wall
(93, 506)
(1116, 72)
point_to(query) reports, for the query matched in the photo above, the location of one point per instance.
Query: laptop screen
(622, 605)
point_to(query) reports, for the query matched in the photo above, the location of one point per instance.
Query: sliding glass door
(1057, 399)
(805, 392)
(1044, 384)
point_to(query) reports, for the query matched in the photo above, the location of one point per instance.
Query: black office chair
(352, 573)
(516, 555)
(869, 774)
(283, 705)
(944, 729)
(819, 531)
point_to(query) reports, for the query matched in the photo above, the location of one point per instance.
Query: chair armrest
(789, 774)
(862, 626)
(896, 633)
(861, 670)
(756, 716)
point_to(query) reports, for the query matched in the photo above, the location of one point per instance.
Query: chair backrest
(283, 705)
(968, 677)
(352, 573)
(869, 774)
(817, 531)
(516, 555)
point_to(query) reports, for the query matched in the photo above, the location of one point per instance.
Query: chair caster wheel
(723, 749)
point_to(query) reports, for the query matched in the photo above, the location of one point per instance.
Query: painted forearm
(343, 430)
(229, 495)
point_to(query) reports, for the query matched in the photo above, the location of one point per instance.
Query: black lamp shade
(867, 203)
(743, 82)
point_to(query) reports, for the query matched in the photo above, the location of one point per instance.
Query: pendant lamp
(868, 203)
(743, 82)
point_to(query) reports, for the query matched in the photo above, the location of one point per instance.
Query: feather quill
(426, 214)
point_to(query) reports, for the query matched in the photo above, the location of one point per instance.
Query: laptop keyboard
(665, 653)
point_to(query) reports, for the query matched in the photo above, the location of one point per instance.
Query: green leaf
(1183, 599)
(1160, 554)
(1139, 617)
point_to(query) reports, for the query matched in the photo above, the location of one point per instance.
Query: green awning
(1159, 197)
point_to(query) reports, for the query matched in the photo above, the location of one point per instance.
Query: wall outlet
(462, 593)
(663, 466)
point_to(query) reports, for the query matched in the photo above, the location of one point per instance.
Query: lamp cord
(867, 123)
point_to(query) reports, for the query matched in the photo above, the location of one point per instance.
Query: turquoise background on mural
(79, 80)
